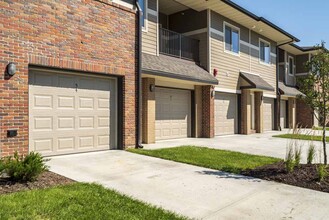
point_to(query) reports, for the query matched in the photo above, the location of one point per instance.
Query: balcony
(178, 45)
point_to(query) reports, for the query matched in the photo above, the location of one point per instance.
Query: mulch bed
(45, 180)
(305, 176)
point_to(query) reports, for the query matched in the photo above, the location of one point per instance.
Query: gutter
(139, 80)
(277, 115)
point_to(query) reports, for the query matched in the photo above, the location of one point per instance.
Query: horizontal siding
(149, 38)
(228, 65)
(203, 48)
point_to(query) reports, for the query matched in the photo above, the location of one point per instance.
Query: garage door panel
(225, 113)
(173, 109)
(72, 119)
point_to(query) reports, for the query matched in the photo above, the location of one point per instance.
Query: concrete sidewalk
(192, 191)
(258, 144)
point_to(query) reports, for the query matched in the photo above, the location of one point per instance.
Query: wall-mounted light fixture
(212, 93)
(215, 72)
(152, 88)
(11, 69)
(261, 97)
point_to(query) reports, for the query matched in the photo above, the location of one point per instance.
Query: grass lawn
(320, 128)
(301, 137)
(229, 161)
(77, 201)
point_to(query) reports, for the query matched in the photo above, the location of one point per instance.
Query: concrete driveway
(258, 144)
(192, 191)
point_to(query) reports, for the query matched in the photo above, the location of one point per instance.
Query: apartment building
(291, 66)
(209, 68)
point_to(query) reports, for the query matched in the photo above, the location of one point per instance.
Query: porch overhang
(176, 68)
(289, 91)
(253, 81)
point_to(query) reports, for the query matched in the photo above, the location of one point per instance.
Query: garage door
(283, 113)
(268, 114)
(173, 113)
(71, 113)
(225, 113)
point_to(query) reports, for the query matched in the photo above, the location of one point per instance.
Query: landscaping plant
(322, 172)
(311, 153)
(298, 154)
(289, 162)
(315, 86)
(24, 168)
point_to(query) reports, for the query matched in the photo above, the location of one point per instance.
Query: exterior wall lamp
(152, 88)
(11, 69)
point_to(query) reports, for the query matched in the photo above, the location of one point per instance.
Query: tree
(315, 87)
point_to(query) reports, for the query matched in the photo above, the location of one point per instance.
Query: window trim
(145, 27)
(260, 60)
(239, 32)
(293, 66)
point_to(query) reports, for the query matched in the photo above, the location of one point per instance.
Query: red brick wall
(208, 114)
(85, 35)
(304, 114)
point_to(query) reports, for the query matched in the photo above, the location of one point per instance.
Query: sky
(308, 20)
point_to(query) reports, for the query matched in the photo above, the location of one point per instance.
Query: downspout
(278, 108)
(139, 79)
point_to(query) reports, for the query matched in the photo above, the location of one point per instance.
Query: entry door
(283, 114)
(173, 113)
(268, 110)
(225, 113)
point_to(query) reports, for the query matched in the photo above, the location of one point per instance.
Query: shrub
(322, 172)
(311, 154)
(28, 168)
(298, 153)
(2, 166)
(290, 163)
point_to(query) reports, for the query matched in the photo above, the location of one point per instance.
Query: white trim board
(217, 89)
(199, 31)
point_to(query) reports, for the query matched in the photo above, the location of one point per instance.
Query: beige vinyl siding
(229, 66)
(203, 48)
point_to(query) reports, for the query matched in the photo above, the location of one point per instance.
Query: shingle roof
(256, 81)
(288, 91)
(176, 68)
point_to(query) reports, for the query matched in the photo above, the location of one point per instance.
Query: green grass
(320, 128)
(229, 161)
(77, 201)
(301, 137)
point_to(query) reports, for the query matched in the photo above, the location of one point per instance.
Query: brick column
(259, 112)
(304, 114)
(208, 121)
(198, 111)
(292, 112)
(148, 117)
(245, 111)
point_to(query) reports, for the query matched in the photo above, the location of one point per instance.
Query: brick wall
(304, 114)
(84, 35)
(208, 111)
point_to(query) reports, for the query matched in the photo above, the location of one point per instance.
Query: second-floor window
(142, 4)
(291, 66)
(264, 51)
(232, 39)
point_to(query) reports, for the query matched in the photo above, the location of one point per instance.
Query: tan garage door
(71, 113)
(283, 114)
(173, 113)
(225, 114)
(268, 114)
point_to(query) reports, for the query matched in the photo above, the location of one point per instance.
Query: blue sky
(308, 20)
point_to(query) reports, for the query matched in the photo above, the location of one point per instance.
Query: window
(291, 66)
(142, 4)
(232, 39)
(264, 52)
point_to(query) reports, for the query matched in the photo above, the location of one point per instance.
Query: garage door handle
(76, 87)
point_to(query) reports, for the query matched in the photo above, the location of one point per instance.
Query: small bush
(322, 172)
(298, 154)
(28, 168)
(311, 154)
(290, 163)
(2, 166)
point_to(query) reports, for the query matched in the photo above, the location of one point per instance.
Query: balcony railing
(178, 45)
